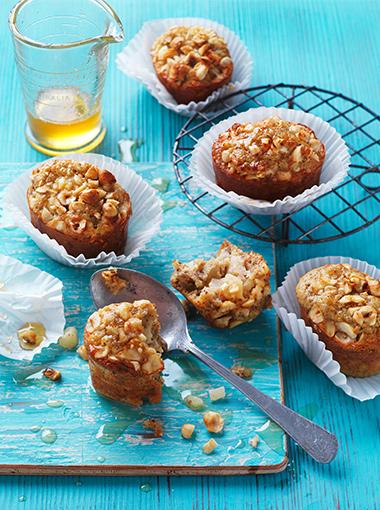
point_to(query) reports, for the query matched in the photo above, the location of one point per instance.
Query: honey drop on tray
(31, 334)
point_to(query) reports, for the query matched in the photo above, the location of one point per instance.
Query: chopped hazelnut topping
(76, 197)
(269, 147)
(192, 55)
(52, 374)
(128, 335)
(210, 446)
(213, 421)
(341, 301)
(187, 430)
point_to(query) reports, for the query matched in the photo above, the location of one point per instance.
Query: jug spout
(114, 31)
(85, 22)
(113, 34)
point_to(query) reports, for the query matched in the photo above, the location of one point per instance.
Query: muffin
(124, 349)
(191, 62)
(268, 160)
(227, 290)
(79, 205)
(342, 306)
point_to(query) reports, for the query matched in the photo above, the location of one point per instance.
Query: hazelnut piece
(52, 374)
(187, 430)
(213, 421)
(106, 180)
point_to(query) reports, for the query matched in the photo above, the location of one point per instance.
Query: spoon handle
(317, 442)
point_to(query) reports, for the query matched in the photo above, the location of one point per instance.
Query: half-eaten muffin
(227, 290)
(79, 205)
(268, 160)
(342, 305)
(124, 349)
(191, 62)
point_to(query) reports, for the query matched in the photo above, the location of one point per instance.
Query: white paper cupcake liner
(135, 61)
(334, 169)
(143, 225)
(286, 306)
(29, 295)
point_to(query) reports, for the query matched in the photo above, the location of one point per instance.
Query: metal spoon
(317, 442)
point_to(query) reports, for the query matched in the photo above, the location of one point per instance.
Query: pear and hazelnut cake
(191, 62)
(124, 349)
(342, 305)
(268, 160)
(227, 290)
(79, 205)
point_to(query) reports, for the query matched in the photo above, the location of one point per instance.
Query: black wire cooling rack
(350, 207)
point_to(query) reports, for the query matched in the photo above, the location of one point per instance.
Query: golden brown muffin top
(341, 300)
(271, 147)
(76, 197)
(192, 55)
(126, 334)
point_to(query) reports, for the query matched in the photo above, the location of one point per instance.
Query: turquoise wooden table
(332, 44)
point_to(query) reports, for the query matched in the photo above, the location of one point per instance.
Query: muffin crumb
(154, 425)
(242, 371)
(112, 281)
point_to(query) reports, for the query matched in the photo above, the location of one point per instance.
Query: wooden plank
(86, 423)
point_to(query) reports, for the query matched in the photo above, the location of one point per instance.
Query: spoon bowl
(317, 442)
(141, 286)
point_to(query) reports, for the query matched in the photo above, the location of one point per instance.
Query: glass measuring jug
(61, 49)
